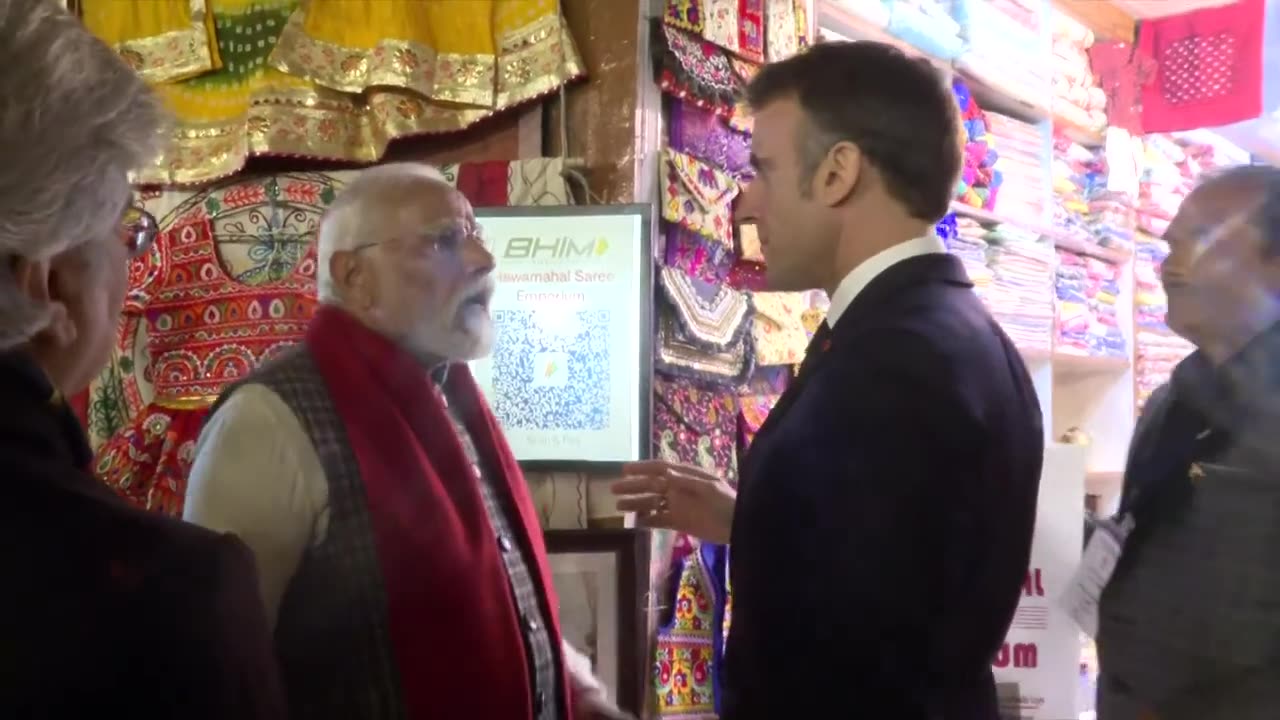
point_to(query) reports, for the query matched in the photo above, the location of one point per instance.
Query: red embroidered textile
(205, 329)
(446, 585)
(1209, 67)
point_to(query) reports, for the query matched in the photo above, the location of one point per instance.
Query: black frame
(631, 549)
(644, 390)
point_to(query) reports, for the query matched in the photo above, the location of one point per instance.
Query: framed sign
(601, 581)
(570, 377)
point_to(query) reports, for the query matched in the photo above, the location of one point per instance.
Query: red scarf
(452, 619)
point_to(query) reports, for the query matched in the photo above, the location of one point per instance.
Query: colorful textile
(206, 328)
(695, 424)
(690, 644)
(273, 90)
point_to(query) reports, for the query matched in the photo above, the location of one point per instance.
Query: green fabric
(245, 41)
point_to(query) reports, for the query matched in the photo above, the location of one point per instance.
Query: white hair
(346, 223)
(74, 121)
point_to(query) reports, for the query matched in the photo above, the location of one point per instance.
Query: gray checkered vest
(332, 640)
(1189, 626)
(332, 635)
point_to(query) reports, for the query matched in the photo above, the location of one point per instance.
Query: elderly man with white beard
(400, 556)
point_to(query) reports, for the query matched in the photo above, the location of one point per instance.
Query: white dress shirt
(866, 271)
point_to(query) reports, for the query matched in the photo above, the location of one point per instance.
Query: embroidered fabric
(749, 243)
(747, 275)
(702, 134)
(698, 196)
(702, 328)
(694, 70)
(781, 29)
(205, 330)
(694, 424)
(697, 256)
(777, 329)
(752, 411)
(689, 645)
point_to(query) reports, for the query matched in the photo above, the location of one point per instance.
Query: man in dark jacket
(105, 611)
(883, 522)
(1188, 624)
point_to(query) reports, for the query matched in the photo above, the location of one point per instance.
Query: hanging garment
(162, 40)
(689, 646)
(485, 53)
(207, 328)
(257, 101)
(1209, 67)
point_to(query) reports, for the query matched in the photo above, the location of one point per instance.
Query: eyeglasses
(448, 240)
(138, 230)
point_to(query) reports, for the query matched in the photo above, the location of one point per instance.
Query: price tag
(1080, 601)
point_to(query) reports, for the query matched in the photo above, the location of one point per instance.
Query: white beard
(433, 338)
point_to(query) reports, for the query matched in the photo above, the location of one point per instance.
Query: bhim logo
(563, 248)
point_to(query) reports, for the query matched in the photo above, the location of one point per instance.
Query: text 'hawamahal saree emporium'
(329, 79)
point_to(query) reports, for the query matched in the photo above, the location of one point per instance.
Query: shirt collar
(862, 275)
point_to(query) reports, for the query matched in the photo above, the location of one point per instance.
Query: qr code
(551, 369)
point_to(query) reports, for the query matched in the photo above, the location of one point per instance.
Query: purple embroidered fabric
(700, 133)
(699, 257)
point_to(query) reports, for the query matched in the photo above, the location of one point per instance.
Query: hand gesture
(677, 497)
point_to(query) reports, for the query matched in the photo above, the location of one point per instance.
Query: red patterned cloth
(205, 330)
(485, 184)
(1122, 72)
(1209, 67)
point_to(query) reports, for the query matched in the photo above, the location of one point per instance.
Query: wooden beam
(1107, 21)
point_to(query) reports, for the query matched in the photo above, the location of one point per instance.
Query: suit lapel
(913, 272)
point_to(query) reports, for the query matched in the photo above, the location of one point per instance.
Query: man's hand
(590, 699)
(677, 497)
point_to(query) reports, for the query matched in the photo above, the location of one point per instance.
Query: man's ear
(39, 282)
(349, 278)
(838, 174)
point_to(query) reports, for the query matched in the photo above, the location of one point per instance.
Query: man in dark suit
(882, 525)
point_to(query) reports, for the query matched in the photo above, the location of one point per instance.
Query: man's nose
(479, 259)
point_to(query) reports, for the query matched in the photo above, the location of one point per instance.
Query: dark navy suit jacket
(885, 512)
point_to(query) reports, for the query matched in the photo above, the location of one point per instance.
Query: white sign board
(566, 378)
(1038, 667)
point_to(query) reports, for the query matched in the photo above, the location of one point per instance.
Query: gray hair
(346, 223)
(74, 121)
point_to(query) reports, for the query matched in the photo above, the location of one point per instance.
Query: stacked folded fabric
(1084, 208)
(873, 12)
(1020, 296)
(926, 25)
(1077, 95)
(1023, 190)
(1156, 349)
(968, 242)
(1163, 183)
(1001, 51)
(980, 180)
(1088, 290)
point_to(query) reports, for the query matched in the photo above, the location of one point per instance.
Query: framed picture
(601, 580)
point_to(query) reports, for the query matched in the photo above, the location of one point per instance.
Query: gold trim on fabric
(185, 402)
(175, 55)
(307, 124)
(535, 60)
(449, 77)
(317, 122)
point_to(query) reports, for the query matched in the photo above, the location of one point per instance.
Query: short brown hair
(898, 110)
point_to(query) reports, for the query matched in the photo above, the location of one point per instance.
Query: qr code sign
(551, 369)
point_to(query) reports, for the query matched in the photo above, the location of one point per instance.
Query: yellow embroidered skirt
(486, 53)
(271, 88)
